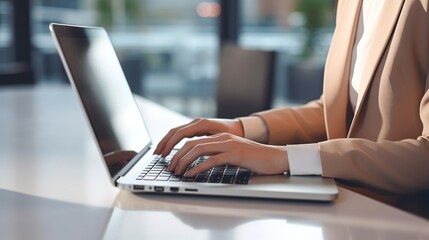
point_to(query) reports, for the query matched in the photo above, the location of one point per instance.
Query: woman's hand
(198, 127)
(228, 149)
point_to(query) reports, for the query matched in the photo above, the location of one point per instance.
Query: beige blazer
(387, 143)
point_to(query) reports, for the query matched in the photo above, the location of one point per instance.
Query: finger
(177, 134)
(170, 134)
(216, 160)
(184, 150)
(161, 145)
(199, 127)
(206, 149)
(189, 131)
(191, 144)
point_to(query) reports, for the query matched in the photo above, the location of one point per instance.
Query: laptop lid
(94, 71)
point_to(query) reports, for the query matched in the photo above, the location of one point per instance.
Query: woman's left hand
(228, 149)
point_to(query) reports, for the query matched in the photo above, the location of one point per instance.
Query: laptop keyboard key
(161, 178)
(215, 178)
(188, 179)
(174, 179)
(243, 176)
(228, 179)
(149, 177)
(202, 178)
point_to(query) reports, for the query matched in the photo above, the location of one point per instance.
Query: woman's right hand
(196, 128)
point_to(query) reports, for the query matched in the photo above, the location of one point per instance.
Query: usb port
(174, 189)
(159, 189)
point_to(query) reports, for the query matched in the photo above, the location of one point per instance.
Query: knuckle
(172, 131)
(198, 147)
(218, 135)
(196, 120)
(189, 144)
(181, 166)
(226, 135)
(173, 135)
(232, 141)
(231, 136)
(213, 161)
(179, 130)
(223, 136)
(203, 122)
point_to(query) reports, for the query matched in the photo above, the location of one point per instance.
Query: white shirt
(304, 159)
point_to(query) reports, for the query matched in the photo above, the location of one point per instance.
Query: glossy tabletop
(53, 186)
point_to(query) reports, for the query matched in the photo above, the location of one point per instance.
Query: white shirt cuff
(304, 159)
(254, 129)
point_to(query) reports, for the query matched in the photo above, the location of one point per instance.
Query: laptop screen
(110, 107)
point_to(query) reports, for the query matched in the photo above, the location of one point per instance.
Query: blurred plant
(317, 14)
(105, 10)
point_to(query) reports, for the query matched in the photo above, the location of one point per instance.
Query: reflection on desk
(350, 217)
(54, 186)
(25, 216)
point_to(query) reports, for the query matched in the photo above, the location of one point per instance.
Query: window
(300, 31)
(168, 49)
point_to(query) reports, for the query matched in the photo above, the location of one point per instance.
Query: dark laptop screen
(100, 82)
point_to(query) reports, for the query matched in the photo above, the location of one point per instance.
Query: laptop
(125, 145)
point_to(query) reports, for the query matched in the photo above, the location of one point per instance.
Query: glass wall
(300, 31)
(168, 49)
(6, 54)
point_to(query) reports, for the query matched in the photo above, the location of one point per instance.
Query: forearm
(299, 125)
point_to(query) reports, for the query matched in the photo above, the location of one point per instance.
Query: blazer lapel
(337, 69)
(384, 30)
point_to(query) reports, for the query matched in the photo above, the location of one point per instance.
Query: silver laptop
(124, 142)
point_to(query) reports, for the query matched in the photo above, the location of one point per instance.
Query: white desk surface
(53, 186)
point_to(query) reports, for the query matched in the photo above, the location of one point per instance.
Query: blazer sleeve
(396, 166)
(303, 124)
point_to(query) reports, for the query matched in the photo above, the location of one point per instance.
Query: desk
(53, 186)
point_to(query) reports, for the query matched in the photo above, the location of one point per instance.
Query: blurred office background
(170, 49)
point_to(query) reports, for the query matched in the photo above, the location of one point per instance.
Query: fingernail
(188, 173)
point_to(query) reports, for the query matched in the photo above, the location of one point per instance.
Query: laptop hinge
(131, 163)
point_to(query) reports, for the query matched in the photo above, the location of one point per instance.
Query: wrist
(255, 129)
(285, 159)
(238, 128)
(232, 126)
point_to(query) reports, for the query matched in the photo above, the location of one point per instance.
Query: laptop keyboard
(157, 171)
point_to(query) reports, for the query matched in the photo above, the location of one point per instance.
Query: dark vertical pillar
(22, 46)
(229, 24)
